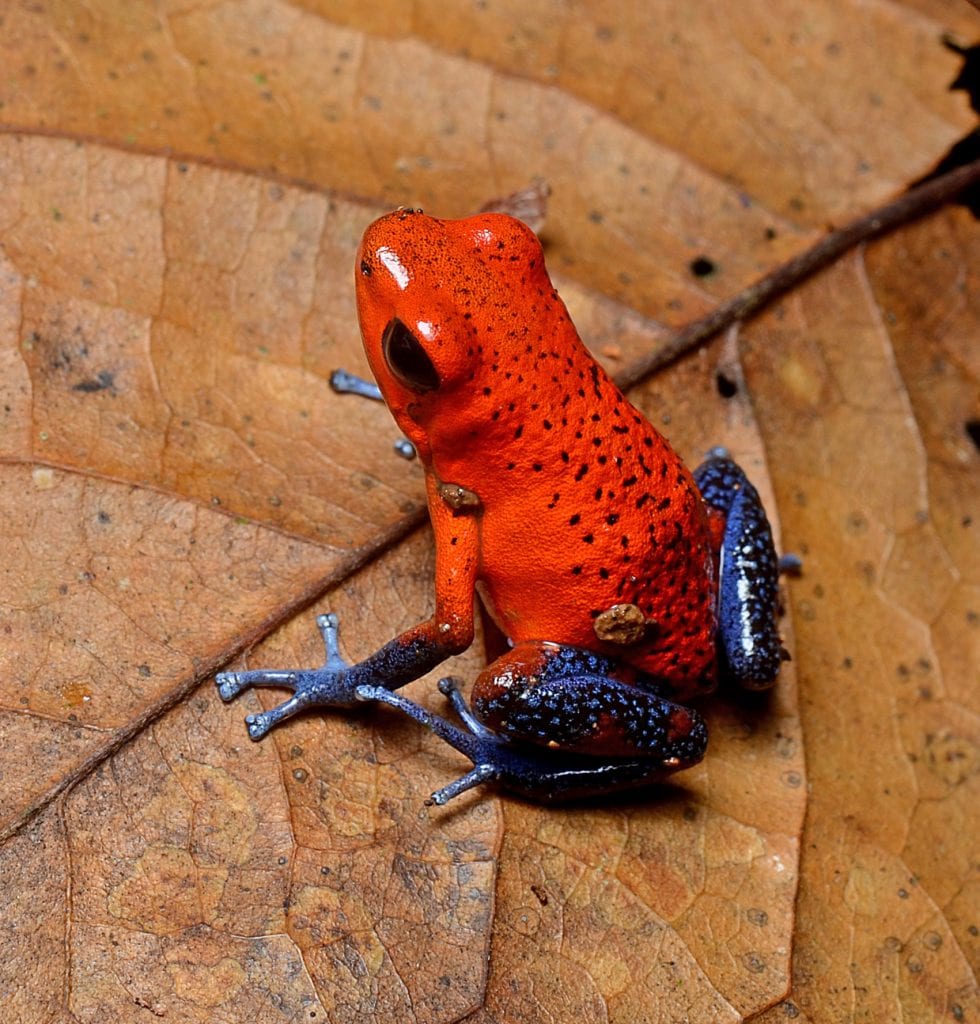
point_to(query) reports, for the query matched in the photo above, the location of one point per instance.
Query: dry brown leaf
(878, 372)
(177, 482)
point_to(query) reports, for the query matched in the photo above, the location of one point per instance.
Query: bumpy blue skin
(573, 695)
(574, 689)
(747, 633)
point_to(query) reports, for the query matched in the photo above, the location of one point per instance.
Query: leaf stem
(911, 205)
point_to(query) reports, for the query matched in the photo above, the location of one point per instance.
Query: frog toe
(231, 684)
(479, 775)
(329, 626)
(258, 725)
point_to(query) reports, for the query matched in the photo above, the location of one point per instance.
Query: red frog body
(620, 578)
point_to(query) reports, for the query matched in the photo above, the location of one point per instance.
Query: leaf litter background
(183, 188)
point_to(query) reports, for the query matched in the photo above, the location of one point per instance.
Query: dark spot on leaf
(973, 432)
(727, 388)
(102, 381)
(701, 266)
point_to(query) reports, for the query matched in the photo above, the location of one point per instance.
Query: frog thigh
(567, 699)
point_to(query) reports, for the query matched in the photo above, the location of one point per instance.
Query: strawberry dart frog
(623, 582)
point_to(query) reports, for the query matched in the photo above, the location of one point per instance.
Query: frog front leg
(409, 655)
(553, 722)
(748, 573)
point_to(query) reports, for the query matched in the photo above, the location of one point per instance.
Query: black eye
(365, 268)
(406, 358)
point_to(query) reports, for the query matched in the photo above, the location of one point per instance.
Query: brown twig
(913, 204)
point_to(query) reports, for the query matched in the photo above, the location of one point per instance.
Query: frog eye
(407, 359)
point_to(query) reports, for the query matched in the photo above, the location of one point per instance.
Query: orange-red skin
(583, 504)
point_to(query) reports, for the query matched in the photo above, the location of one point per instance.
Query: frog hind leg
(548, 723)
(748, 571)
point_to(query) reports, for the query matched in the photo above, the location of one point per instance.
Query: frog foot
(328, 685)
(540, 774)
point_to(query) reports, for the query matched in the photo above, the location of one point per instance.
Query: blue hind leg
(748, 586)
